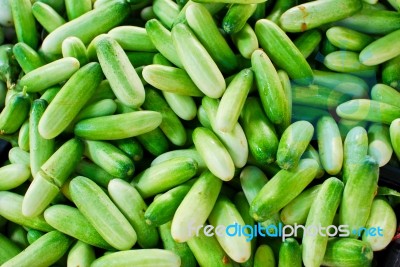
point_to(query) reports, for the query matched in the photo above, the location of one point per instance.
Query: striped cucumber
(260, 132)
(314, 14)
(282, 188)
(355, 149)
(330, 145)
(164, 176)
(123, 78)
(359, 192)
(59, 114)
(293, 143)
(379, 145)
(202, 23)
(322, 212)
(95, 22)
(97, 207)
(283, 52)
(202, 195)
(383, 216)
(124, 195)
(197, 62)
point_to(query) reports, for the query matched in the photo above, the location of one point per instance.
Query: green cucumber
(264, 257)
(348, 39)
(391, 72)
(14, 113)
(81, 254)
(379, 145)
(395, 136)
(386, 94)
(290, 254)
(308, 42)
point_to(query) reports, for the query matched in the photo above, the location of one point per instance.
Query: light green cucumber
(322, 212)
(348, 62)
(252, 179)
(14, 113)
(188, 153)
(379, 145)
(183, 106)
(264, 257)
(163, 207)
(81, 254)
(283, 52)
(359, 192)
(237, 16)
(296, 212)
(386, 94)
(47, 16)
(201, 22)
(308, 42)
(290, 254)
(203, 195)
(330, 145)
(355, 148)
(69, 101)
(132, 38)
(131, 147)
(391, 72)
(13, 175)
(369, 110)
(24, 22)
(93, 172)
(383, 216)
(246, 41)
(23, 136)
(27, 57)
(8, 249)
(164, 176)
(312, 153)
(282, 188)
(395, 136)
(197, 62)
(123, 78)
(166, 11)
(74, 47)
(110, 158)
(18, 156)
(95, 22)
(70, 221)
(132, 206)
(260, 132)
(76, 8)
(348, 39)
(293, 143)
(105, 217)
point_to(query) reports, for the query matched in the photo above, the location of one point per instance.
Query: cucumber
(283, 52)
(180, 249)
(197, 62)
(18, 156)
(95, 22)
(81, 254)
(132, 38)
(269, 87)
(358, 195)
(308, 42)
(189, 153)
(395, 136)
(24, 22)
(201, 22)
(264, 257)
(139, 257)
(77, 8)
(237, 16)
(296, 212)
(13, 175)
(132, 206)
(27, 57)
(130, 147)
(105, 217)
(293, 143)
(163, 207)
(317, 96)
(314, 14)
(23, 136)
(123, 78)
(166, 11)
(322, 212)
(348, 62)
(37, 253)
(347, 252)
(330, 145)
(164, 176)
(252, 179)
(47, 16)
(59, 114)
(246, 41)
(14, 113)
(8, 249)
(369, 110)
(203, 195)
(355, 149)
(290, 254)
(391, 73)
(348, 39)
(379, 145)
(73, 47)
(280, 6)
(93, 172)
(282, 188)
(70, 221)
(385, 94)
(383, 216)
(311, 153)
(260, 132)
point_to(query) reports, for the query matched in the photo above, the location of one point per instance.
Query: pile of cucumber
(141, 130)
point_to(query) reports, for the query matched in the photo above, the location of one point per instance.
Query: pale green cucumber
(386, 94)
(132, 38)
(246, 41)
(348, 39)
(81, 254)
(348, 62)
(379, 145)
(47, 16)
(312, 153)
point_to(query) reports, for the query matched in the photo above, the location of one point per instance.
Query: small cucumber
(264, 257)
(308, 42)
(237, 16)
(81, 254)
(246, 41)
(348, 39)
(290, 254)
(379, 145)
(391, 72)
(385, 94)
(24, 22)
(132, 38)
(47, 16)
(14, 113)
